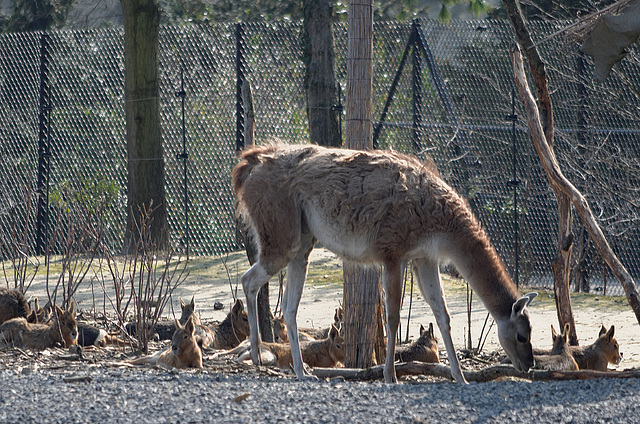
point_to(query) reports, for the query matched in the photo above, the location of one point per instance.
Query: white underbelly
(341, 240)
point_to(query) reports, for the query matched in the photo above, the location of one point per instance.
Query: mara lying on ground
(233, 330)
(370, 207)
(559, 358)
(61, 330)
(306, 334)
(203, 334)
(184, 351)
(423, 349)
(325, 353)
(596, 356)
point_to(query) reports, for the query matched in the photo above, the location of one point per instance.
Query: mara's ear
(72, 307)
(333, 332)
(237, 307)
(610, 333)
(422, 330)
(430, 330)
(603, 330)
(522, 303)
(567, 327)
(178, 325)
(182, 304)
(193, 302)
(59, 310)
(553, 332)
(190, 326)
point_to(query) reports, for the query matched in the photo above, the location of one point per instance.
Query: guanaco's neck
(486, 274)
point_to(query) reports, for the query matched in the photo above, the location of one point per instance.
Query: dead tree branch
(560, 183)
(485, 375)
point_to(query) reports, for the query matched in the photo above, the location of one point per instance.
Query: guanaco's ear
(182, 304)
(430, 330)
(522, 303)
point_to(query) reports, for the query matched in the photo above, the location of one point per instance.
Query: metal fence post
(514, 182)
(239, 81)
(184, 156)
(417, 97)
(239, 112)
(44, 149)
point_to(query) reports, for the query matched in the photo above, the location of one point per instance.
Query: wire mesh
(597, 130)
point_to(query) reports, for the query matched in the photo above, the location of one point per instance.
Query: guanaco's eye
(521, 338)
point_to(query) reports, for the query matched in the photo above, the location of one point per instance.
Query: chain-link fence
(455, 106)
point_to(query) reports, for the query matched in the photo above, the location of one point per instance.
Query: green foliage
(35, 15)
(555, 9)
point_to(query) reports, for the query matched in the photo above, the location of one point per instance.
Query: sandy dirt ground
(213, 280)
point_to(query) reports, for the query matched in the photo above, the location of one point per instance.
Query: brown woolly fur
(560, 358)
(596, 356)
(326, 353)
(62, 330)
(234, 329)
(184, 351)
(12, 305)
(370, 207)
(424, 349)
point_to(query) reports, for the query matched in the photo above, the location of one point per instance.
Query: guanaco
(372, 207)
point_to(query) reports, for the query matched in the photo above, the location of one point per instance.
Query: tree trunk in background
(265, 316)
(320, 80)
(562, 263)
(142, 108)
(362, 313)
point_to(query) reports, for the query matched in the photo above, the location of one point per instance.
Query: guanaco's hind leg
(392, 283)
(296, 276)
(428, 277)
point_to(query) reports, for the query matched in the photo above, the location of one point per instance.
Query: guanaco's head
(515, 334)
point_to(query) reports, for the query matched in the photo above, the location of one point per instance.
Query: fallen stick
(484, 375)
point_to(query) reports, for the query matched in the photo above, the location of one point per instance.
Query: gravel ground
(83, 393)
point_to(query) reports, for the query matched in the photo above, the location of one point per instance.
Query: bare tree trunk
(320, 79)
(361, 284)
(562, 264)
(265, 317)
(142, 108)
(560, 183)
